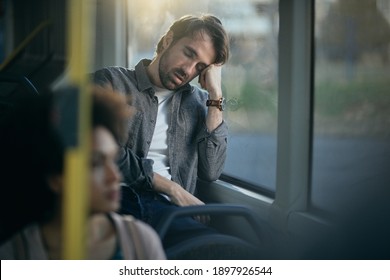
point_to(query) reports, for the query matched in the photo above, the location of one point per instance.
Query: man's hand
(181, 197)
(177, 194)
(210, 80)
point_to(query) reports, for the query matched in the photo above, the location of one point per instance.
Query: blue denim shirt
(193, 151)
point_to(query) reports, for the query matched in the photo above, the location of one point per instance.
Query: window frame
(295, 107)
(290, 205)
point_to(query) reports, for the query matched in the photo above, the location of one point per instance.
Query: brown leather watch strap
(217, 103)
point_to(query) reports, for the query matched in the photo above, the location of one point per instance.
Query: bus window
(351, 150)
(249, 78)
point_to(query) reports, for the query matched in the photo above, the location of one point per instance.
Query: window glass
(351, 152)
(249, 78)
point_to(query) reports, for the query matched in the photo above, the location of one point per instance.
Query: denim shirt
(193, 151)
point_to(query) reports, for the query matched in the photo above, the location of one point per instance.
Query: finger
(202, 79)
(204, 219)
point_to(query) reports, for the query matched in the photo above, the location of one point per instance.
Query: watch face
(223, 104)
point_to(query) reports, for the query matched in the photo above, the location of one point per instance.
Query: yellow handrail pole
(76, 159)
(24, 43)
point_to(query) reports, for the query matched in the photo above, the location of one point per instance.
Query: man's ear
(168, 38)
(56, 183)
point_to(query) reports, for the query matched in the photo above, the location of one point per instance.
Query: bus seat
(219, 246)
(13, 87)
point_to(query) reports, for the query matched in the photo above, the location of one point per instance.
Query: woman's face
(105, 176)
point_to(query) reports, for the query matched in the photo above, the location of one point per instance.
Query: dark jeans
(150, 206)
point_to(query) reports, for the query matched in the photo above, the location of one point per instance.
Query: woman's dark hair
(111, 110)
(32, 150)
(188, 26)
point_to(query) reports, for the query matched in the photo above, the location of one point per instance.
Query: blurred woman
(32, 167)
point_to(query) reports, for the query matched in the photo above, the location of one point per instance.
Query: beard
(166, 80)
(170, 78)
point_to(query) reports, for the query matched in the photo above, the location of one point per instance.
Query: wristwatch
(220, 103)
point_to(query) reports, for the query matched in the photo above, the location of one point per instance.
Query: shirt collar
(143, 80)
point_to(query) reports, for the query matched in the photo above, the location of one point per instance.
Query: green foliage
(257, 98)
(335, 99)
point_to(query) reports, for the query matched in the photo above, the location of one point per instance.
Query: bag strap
(129, 237)
(135, 237)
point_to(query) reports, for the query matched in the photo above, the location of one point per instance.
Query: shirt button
(148, 142)
(152, 121)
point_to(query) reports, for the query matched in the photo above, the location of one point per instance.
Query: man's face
(185, 59)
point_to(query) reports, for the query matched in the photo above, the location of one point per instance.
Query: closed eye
(189, 53)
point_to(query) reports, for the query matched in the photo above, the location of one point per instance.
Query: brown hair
(188, 26)
(111, 110)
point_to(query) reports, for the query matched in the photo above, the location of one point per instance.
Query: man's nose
(190, 69)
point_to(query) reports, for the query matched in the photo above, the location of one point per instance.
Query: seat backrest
(214, 247)
(218, 246)
(12, 88)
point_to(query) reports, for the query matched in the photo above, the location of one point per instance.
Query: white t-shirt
(158, 150)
